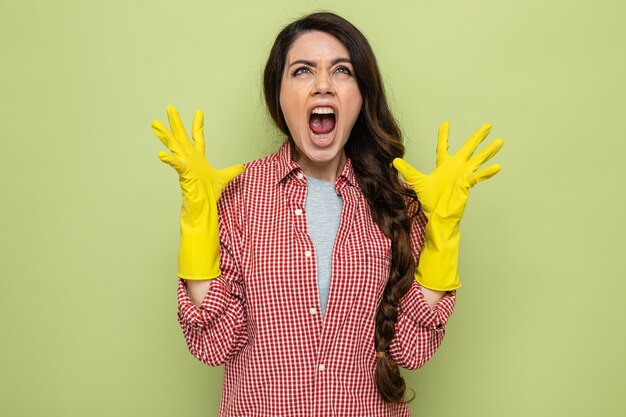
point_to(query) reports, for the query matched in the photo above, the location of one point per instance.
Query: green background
(90, 215)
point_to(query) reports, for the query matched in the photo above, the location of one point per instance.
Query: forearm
(197, 290)
(216, 332)
(198, 260)
(438, 264)
(432, 297)
(420, 328)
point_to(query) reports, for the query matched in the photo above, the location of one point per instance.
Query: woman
(327, 208)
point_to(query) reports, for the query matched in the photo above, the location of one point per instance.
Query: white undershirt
(323, 212)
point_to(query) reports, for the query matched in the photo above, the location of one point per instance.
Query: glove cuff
(199, 252)
(439, 259)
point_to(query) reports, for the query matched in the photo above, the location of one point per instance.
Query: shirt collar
(286, 167)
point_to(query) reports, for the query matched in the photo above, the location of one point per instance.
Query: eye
(345, 70)
(301, 70)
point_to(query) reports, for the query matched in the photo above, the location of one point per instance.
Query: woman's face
(320, 100)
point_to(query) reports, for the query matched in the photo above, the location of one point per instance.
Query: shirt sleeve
(419, 330)
(217, 330)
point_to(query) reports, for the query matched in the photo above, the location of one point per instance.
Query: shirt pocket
(377, 266)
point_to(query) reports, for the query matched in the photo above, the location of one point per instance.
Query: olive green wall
(89, 231)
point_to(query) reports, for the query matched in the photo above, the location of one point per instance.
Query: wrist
(442, 235)
(443, 222)
(200, 213)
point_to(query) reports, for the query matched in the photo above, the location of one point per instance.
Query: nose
(323, 85)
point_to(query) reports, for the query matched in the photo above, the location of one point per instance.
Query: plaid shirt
(261, 318)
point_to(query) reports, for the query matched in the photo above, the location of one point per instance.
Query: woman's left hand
(443, 195)
(444, 192)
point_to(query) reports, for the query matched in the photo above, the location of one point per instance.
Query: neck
(323, 171)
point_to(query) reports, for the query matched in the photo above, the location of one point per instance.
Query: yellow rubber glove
(443, 195)
(202, 186)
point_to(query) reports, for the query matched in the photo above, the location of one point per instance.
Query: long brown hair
(374, 142)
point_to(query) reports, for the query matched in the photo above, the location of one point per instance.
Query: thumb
(229, 174)
(410, 174)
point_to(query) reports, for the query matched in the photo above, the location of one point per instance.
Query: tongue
(322, 123)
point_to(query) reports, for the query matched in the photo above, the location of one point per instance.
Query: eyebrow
(312, 64)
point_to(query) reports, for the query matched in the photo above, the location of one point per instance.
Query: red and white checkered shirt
(261, 318)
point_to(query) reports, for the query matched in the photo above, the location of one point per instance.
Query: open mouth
(322, 122)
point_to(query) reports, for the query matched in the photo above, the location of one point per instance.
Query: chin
(321, 157)
(319, 154)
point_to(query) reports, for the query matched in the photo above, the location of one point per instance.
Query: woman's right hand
(201, 186)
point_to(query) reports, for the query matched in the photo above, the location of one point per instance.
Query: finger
(442, 143)
(483, 174)
(177, 125)
(410, 174)
(196, 131)
(486, 154)
(472, 143)
(229, 174)
(165, 136)
(173, 162)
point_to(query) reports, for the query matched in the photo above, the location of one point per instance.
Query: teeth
(323, 110)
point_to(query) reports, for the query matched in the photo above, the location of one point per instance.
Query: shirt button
(308, 254)
(300, 175)
(321, 367)
(313, 310)
(298, 212)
